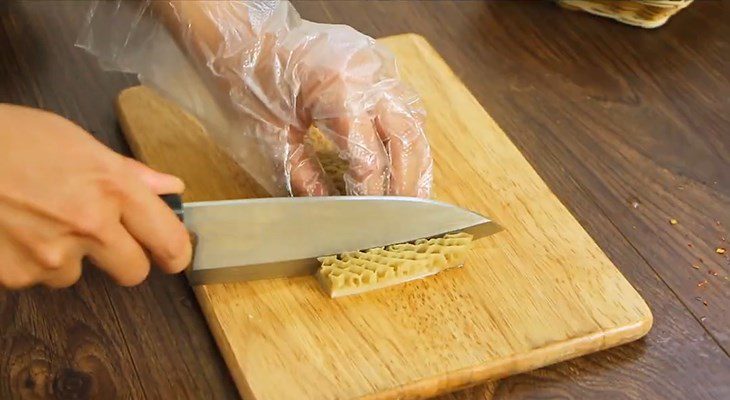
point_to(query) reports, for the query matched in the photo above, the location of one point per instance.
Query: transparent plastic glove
(258, 77)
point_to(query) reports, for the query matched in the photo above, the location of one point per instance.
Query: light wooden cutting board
(538, 293)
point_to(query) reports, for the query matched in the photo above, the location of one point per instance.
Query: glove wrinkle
(258, 76)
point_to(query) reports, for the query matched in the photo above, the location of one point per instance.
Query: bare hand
(64, 196)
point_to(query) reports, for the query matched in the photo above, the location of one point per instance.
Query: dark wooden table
(628, 127)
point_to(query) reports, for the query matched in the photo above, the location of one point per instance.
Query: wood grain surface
(567, 88)
(538, 293)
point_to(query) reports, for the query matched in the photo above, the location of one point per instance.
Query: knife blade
(249, 239)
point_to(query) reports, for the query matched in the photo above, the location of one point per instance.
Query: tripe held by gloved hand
(258, 77)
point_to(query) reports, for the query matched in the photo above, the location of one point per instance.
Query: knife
(250, 239)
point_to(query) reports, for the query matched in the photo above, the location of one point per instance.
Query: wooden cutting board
(536, 294)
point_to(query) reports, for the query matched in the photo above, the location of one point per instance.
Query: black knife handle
(174, 201)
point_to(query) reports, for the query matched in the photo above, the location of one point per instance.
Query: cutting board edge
(459, 379)
(518, 363)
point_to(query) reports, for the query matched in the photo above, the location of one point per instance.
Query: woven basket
(643, 13)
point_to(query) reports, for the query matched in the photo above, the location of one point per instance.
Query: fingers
(157, 182)
(120, 256)
(15, 273)
(41, 258)
(307, 177)
(401, 129)
(55, 268)
(151, 223)
(368, 160)
(338, 106)
(64, 277)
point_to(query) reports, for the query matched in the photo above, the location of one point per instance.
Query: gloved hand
(63, 196)
(271, 76)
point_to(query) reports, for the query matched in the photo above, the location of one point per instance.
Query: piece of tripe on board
(362, 271)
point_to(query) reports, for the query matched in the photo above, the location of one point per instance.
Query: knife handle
(174, 201)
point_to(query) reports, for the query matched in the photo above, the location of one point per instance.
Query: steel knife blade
(240, 240)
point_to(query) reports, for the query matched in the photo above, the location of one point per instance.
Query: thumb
(157, 182)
